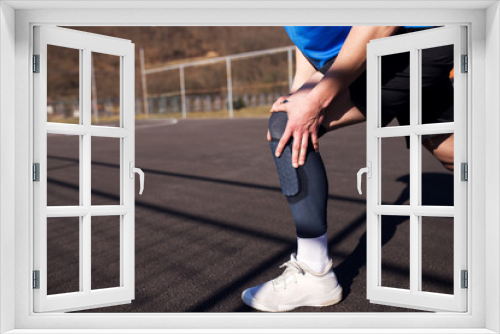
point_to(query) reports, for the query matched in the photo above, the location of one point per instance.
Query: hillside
(164, 45)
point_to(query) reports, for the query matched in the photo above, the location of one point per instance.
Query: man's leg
(306, 187)
(306, 190)
(308, 279)
(441, 147)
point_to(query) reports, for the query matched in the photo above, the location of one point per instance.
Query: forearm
(303, 71)
(350, 63)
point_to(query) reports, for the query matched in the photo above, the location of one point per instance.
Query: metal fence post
(229, 87)
(95, 110)
(290, 70)
(183, 92)
(144, 84)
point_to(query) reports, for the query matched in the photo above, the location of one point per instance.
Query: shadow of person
(437, 189)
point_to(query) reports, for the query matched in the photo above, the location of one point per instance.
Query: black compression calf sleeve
(306, 187)
(287, 174)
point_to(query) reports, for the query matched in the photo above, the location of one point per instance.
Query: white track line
(150, 124)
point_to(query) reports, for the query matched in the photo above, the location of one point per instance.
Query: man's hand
(305, 108)
(304, 118)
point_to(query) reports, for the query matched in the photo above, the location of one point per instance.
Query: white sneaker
(297, 286)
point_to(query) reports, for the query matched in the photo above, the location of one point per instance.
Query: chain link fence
(238, 85)
(244, 84)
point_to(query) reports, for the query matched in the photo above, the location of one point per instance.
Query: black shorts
(437, 88)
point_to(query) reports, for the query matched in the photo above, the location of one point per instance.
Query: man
(329, 92)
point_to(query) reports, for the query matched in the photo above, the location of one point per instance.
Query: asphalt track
(212, 220)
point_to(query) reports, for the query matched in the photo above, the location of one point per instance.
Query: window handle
(368, 171)
(141, 175)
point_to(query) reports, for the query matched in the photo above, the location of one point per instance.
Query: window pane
(105, 252)
(395, 243)
(63, 170)
(63, 255)
(437, 84)
(395, 171)
(437, 179)
(105, 90)
(437, 254)
(63, 85)
(105, 171)
(395, 85)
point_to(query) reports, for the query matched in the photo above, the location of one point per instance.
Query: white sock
(313, 252)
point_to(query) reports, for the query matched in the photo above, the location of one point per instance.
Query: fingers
(299, 146)
(268, 135)
(282, 143)
(303, 148)
(278, 103)
(315, 141)
(295, 150)
(279, 107)
(299, 149)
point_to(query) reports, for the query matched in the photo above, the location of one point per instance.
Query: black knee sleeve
(289, 178)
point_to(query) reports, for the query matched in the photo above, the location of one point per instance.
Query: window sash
(86, 44)
(413, 298)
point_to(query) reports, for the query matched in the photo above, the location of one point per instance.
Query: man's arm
(304, 114)
(303, 71)
(350, 63)
(306, 77)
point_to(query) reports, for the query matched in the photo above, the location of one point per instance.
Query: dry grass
(250, 112)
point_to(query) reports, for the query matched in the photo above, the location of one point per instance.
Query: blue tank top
(319, 44)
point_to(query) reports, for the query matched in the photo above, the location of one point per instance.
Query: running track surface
(212, 220)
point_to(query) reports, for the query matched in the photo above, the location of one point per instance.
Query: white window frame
(483, 20)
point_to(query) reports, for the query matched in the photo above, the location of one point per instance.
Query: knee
(445, 156)
(289, 180)
(277, 124)
(442, 147)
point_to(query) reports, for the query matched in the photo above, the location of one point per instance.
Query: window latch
(133, 170)
(368, 171)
